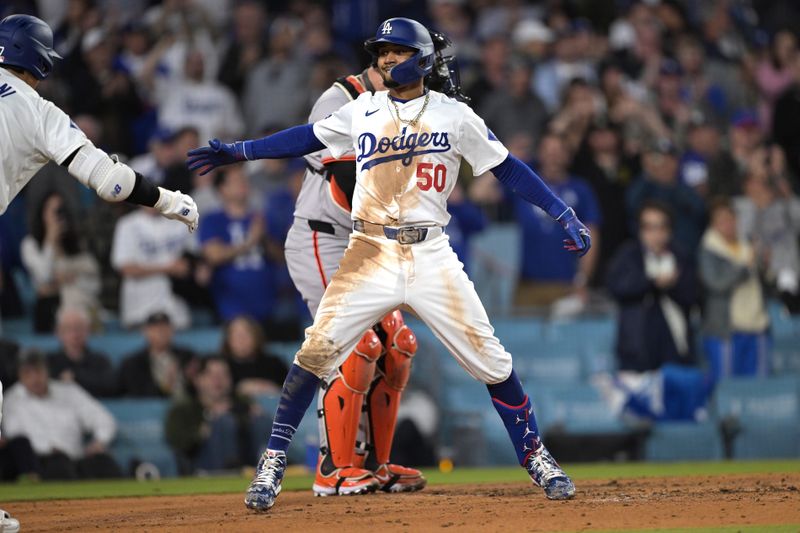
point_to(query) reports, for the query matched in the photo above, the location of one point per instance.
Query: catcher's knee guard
(340, 404)
(392, 376)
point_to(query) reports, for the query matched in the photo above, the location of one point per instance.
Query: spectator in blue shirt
(232, 243)
(549, 277)
(660, 181)
(467, 220)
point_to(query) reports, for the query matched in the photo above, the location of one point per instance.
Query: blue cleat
(266, 484)
(546, 473)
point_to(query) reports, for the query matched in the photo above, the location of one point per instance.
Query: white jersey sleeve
(335, 130)
(477, 144)
(58, 136)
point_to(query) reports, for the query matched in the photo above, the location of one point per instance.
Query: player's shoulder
(443, 99)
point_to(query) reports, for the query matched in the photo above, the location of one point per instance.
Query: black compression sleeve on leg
(144, 192)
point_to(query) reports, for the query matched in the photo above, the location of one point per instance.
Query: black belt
(322, 227)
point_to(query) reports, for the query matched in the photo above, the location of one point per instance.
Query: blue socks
(298, 393)
(514, 408)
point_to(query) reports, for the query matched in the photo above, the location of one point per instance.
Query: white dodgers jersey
(33, 131)
(405, 173)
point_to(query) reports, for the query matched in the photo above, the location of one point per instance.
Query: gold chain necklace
(413, 121)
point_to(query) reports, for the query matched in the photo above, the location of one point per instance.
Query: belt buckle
(409, 235)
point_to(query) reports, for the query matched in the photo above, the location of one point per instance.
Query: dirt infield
(741, 500)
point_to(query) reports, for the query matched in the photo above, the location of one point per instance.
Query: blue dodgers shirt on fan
(543, 254)
(242, 286)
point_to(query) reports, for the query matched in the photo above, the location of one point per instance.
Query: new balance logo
(368, 113)
(387, 28)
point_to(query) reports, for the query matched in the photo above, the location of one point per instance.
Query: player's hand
(178, 206)
(216, 154)
(580, 238)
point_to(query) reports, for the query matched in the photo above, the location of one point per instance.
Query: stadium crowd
(672, 127)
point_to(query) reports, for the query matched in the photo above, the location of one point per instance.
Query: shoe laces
(544, 466)
(268, 473)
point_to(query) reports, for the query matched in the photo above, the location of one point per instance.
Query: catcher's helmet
(26, 42)
(410, 33)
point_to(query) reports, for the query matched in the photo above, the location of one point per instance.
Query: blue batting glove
(216, 154)
(580, 238)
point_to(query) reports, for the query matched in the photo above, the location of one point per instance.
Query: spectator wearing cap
(148, 251)
(74, 361)
(515, 108)
(215, 428)
(495, 53)
(55, 416)
(600, 160)
(276, 90)
(101, 88)
(533, 39)
(204, 104)
(744, 138)
(735, 319)
(160, 155)
(160, 369)
(232, 243)
(248, 46)
(704, 166)
(545, 280)
(660, 181)
(571, 59)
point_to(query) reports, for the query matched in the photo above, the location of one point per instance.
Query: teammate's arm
(115, 181)
(526, 183)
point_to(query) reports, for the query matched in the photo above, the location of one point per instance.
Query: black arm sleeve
(144, 192)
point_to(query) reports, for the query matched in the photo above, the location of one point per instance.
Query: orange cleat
(345, 481)
(396, 478)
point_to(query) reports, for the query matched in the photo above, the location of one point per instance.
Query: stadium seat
(495, 265)
(202, 341)
(761, 417)
(785, 356)
(140, 434)
(575, 408)
(684, 441)
(285, 350)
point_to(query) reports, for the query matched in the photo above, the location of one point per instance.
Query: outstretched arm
(292, 142)
(116, 182)
(526, 183)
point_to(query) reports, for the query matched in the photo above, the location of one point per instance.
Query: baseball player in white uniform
(408, 143)
(358, 402)
(34, 132)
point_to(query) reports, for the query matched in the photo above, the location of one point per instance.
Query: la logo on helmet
(387, 28)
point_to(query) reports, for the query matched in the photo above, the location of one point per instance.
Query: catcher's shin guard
(383, 401)
(340, 404)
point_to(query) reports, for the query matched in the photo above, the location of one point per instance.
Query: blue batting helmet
(26, 42)
(410, 33)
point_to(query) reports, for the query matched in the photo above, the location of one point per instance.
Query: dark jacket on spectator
(263, 366)
(644, 340)
(94, 372)
(136, 375)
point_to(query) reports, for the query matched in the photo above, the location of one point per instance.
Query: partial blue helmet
(26, 42)
(410, 33)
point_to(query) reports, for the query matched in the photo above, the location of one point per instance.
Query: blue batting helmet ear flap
(409, 33)
(26, 42)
